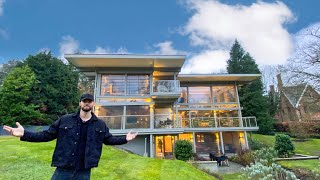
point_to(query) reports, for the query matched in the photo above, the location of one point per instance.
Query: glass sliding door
(164, 145)
(137, 117)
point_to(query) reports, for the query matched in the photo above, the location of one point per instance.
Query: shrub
(281, 127)
(299, 130)
(260, 171)
(244, 157)
(183, 150)
(304, 129)
(256, 145)
(265, 156)
(283, 145)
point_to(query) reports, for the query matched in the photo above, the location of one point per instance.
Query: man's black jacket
(67, 130)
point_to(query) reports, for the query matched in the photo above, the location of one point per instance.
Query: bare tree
(268, 75)
(304, 67)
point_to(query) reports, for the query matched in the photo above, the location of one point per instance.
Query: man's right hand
(17, 132)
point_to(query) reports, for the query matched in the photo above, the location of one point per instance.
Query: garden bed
(297, 157)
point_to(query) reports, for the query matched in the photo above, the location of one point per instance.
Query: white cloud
(98, 50)
(207, 62)
(44, 50)
(166, 48)
(122, 50)
(1, 6)
(259, 28)
(4, 34)
(70, 45)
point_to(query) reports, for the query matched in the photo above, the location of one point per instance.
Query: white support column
(95, 90)
(222, 144)
(239, 109)
(175, 82)
(151, 116)
(246, 139)
(215, 118)
(123, 119)
(218, 142)
(194, 142)
(151, 146)
(177, 117)
(151, 83)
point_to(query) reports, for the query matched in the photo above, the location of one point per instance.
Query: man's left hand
(131, 135)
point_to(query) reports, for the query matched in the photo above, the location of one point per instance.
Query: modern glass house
(147, 94)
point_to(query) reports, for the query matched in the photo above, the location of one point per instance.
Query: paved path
(232, 168)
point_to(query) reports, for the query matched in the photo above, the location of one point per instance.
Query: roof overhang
(218, 77)
(101, 61)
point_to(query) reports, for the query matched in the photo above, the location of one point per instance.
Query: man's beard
(86, 110)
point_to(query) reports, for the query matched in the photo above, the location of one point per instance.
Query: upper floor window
(183, 95)
(199, 95)
(137, 84)
(120, 85)
(224, 93)
(112, 85)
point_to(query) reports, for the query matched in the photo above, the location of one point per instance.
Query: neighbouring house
(147, 94)
(299, 102)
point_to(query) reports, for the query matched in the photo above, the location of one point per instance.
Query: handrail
(179, 122)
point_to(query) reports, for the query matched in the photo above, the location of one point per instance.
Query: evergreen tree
(250, 95)
(57, 92)
(14, 97)
(6, 68)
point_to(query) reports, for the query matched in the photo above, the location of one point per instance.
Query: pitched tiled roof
(294, 93)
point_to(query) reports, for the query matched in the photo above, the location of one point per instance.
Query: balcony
(127, 122)
(219, 122)
(165, 89)
(169, 121)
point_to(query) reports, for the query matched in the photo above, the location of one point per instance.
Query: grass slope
(23, 160)
(313, 165)
(309, 147)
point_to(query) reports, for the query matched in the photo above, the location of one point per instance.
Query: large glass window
(137, 84)
(112, 115)
(112, 85)
(183, 95)
(119, 85)
(224, 93)
(228, 118)
(137, 117)
(199, 95)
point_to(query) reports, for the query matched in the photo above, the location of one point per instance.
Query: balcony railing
(166, 87)
(113, 122)
(211, 122)
(165, 121)
(127, 122)
(170, 121)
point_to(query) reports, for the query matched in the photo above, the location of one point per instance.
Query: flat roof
(217, 77)
(125, 61)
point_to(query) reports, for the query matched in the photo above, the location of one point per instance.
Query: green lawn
(23, 160)
(309, 147)
(313, 164)
(231, 176)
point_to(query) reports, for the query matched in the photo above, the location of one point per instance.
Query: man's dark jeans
(66, 174)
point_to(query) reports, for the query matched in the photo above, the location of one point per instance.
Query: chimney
(272, 92)
(280, 85)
